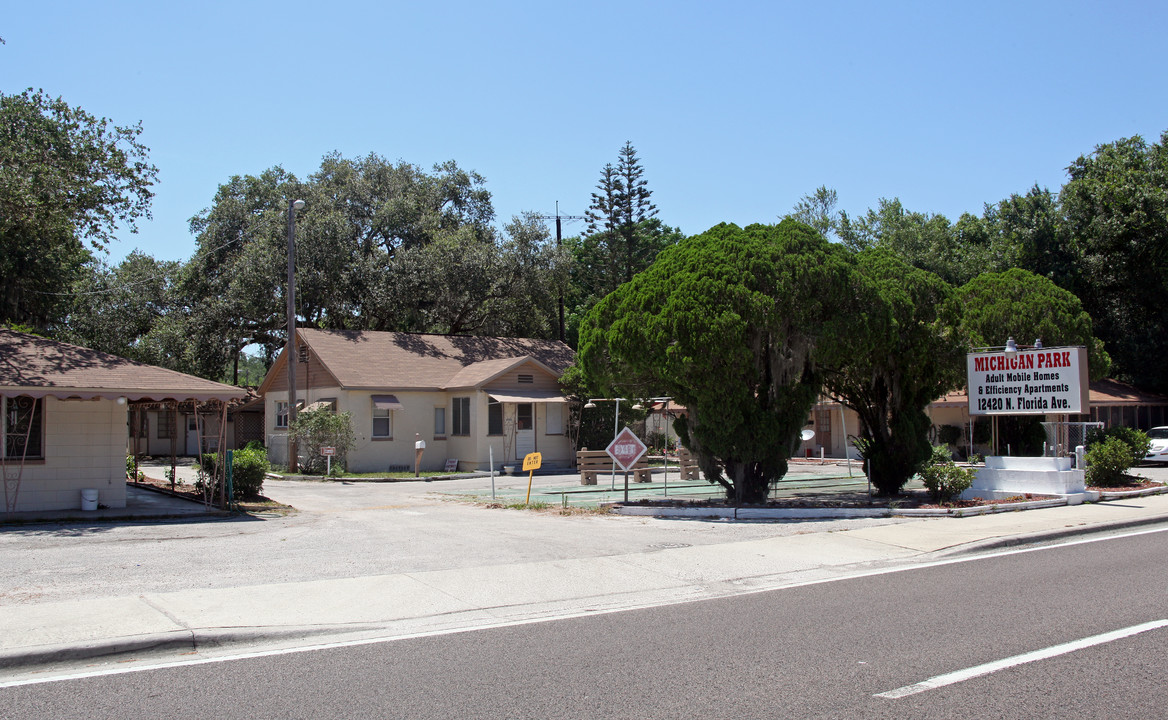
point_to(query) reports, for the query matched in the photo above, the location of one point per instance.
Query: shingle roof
(372, 359)
(31, 365)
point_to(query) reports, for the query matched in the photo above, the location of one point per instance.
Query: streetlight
(290, 346)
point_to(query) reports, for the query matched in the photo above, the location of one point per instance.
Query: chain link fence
(1063, 437)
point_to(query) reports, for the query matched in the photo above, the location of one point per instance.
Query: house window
(439, 422)
(526, 379)
(524, 416)
(461, 416)
(166, 424)
(281, 414)
(23, 428)
(494, 418)
(555, 418)
(382, 423)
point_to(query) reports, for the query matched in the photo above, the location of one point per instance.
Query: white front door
(524, 430)
(192, 435)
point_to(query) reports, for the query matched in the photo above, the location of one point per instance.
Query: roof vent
(526, 379)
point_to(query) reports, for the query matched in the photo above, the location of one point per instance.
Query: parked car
(1158, 450)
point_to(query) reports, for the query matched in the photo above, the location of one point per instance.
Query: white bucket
(88, 499)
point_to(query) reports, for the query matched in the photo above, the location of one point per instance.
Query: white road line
(992, 667)
(248, 655)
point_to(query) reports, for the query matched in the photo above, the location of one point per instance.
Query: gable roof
(372, 360)
(487, 370)
(36, 366)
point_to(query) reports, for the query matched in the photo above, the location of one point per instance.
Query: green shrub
(948, 434)
(322, 428)
(945, 481)
(248, 467)
(1108, 461)
(1136, 440)
(941, 454)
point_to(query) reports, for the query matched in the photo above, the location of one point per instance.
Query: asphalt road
(823, 650)
(340, 531)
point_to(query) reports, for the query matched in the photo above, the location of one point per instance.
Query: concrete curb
(1051, 535)
(748, 513)
(190, 640)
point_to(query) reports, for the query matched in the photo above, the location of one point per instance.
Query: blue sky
(736, 109)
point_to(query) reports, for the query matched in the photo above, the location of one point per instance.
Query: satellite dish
(807, 434)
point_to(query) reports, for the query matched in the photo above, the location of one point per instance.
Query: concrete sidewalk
(206, 623)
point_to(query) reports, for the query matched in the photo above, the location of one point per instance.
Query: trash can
(89, 499)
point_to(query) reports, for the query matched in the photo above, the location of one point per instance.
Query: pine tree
(619, 207)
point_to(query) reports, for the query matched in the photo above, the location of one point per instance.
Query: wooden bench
(688, 464)
(594, 462)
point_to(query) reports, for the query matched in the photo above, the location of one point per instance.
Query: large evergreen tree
(736, 324)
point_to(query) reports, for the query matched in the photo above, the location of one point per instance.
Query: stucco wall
(85, 446)
(472, 451)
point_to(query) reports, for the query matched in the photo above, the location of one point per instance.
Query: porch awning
(386, 402)
(527, 396)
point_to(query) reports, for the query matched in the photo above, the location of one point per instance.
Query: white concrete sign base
(1006, 476)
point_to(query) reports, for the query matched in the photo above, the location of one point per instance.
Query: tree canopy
(379, 246)
(734, 324)
(1116, 213)
(1019, 304)
(68, 181)
(906, 356)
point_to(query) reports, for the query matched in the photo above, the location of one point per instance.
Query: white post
(665, 452)
(844, 427)
(615, 430)
(491, 455)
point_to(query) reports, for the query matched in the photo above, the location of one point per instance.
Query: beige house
(470, 399)
(65, 422)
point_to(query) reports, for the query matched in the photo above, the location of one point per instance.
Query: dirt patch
(1135, 484)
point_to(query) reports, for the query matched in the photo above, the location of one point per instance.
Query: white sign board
(1028, 382)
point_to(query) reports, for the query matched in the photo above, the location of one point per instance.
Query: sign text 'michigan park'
(1027, 382)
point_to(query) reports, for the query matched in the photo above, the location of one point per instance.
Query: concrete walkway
(206, 623)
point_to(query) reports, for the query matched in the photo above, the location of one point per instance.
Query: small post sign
(625, 450)
(531, 463)
(328, 453)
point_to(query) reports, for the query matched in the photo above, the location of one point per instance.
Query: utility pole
(291, 356)
(559, 243)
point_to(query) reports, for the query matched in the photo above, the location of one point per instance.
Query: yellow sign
(532, 461)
